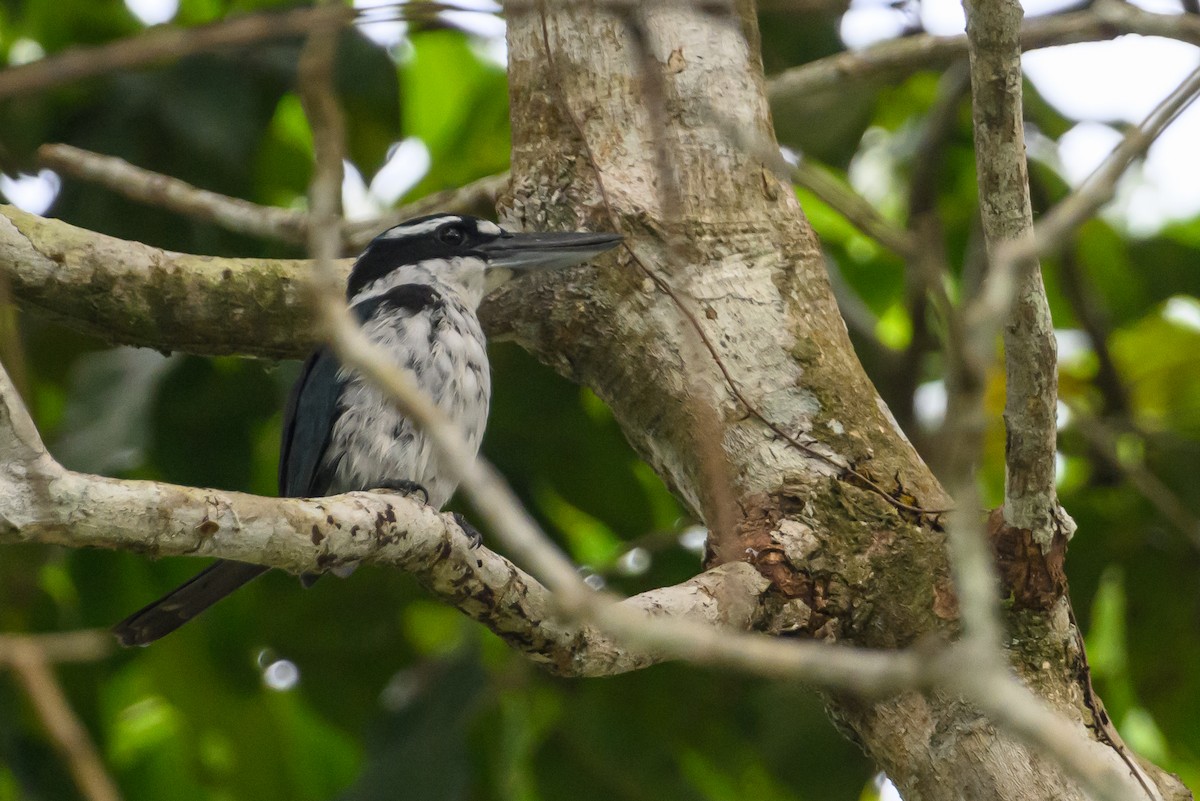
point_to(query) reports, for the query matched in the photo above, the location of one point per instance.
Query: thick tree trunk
(606, 108)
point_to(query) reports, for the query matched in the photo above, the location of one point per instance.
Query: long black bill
(547, 251)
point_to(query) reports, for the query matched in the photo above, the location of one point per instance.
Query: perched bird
(415, 290)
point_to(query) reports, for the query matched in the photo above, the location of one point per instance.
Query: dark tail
(184, 603)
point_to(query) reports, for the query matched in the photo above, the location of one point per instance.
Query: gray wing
(307, 425)
(313, 407)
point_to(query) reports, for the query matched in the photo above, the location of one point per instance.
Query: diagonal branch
(160, 45)
(130, 293)
(243, 216)
(32, 665)
(892, 61)
(41, 502)
(855, 208)
(1031, 355)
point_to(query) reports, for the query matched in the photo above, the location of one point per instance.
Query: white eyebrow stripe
(490, 228)
(414, 229)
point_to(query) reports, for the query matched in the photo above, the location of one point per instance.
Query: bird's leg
(404, 487)
(472, 533)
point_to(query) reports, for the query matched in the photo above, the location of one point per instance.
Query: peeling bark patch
(1035, 580)
(676, 63)
(945, 602)
(383, 519)
(764, 515)
(773, 563)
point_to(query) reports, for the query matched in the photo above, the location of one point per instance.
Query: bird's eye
(452, 235)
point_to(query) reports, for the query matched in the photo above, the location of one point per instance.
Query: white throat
(465, 276)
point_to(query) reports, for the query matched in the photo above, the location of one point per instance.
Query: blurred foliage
(402, 697)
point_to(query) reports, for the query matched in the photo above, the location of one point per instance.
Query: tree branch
(1057, 224)
(27, 659)
(162, 44)
(243, 216)
(895, 60)
(156, 189)
(1031, 354)
(41, 502)
(133, 294)
(855, 208)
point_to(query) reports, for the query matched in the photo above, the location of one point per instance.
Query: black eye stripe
(437, 236)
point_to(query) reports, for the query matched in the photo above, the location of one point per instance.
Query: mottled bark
(41, 502)
(749, 272)
(1030, 352)
(133, 294)
(824, 494)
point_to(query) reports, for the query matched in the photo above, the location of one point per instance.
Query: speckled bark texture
(587, 153)
(826, 494)
(133, 294)
(41, 502)
(1031, 355)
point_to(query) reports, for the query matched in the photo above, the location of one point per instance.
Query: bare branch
(927, 270)
(243, 216)
(892, 61)
(1056, 225)
(156, 189)
(1151, 487)
(1099, 188)
(1031, 354)
(40, 502)
(130, 293)
(856, 209)
(160, 45)
(24, 655)
(84, 645)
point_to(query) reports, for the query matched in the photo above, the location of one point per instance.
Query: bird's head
(466, 254)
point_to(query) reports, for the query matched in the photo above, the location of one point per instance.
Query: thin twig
(893, 61)
(1093, 318)
(1052, 232)
(85, 645)
(163, 44)
(1099, 187)
(243, 216)
(1150, 486)
(1031, 356)
(31, 664)
(854, 207)
(156, 189)
(927, 269)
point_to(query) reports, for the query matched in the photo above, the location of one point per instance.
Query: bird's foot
(405, 487)
(472, 533)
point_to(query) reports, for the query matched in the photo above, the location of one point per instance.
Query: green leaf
(590, 541)
(464, 121)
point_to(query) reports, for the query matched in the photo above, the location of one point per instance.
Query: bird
(414, 290)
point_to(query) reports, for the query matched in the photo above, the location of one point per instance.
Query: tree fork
(752, 272)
